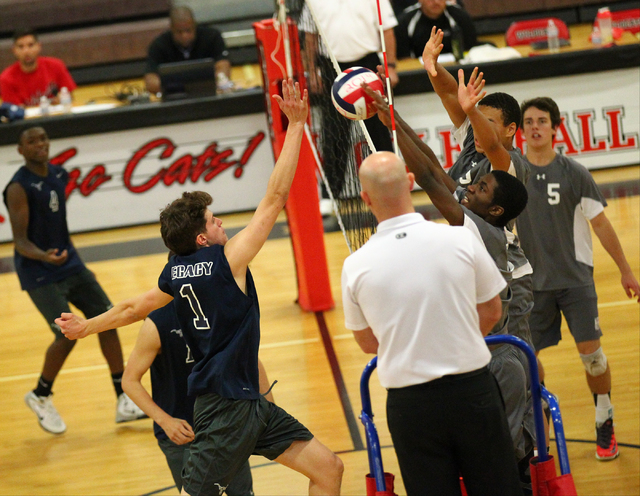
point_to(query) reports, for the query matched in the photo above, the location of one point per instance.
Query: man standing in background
(52, 273)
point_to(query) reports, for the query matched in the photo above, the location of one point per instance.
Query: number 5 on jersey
(200, 321)
(554, 195)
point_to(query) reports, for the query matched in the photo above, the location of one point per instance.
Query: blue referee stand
(543, 476)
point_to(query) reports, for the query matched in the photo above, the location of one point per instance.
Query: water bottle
(553, 42)
(224, 84)
(44, 105)
(65, 99)
(596, 37)
(603, 20)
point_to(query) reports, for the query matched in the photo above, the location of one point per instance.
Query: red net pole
(302, 209)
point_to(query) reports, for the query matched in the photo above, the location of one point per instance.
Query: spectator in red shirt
(32, 76)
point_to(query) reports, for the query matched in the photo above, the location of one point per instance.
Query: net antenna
(388, 81)
(339, 144)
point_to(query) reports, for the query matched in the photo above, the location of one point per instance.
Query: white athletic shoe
(127, 410)
(48, 417)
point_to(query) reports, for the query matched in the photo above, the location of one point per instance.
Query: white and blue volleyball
(348, 96)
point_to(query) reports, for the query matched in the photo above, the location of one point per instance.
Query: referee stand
(544, 479)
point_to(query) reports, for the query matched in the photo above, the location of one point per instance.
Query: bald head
(183, 27)
(386, 185)
(181, 14)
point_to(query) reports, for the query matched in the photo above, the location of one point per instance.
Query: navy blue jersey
(47, 227)
(221, 324)
(171, 368)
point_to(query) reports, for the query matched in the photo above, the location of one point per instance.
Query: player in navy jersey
(53, 274)
(554, 230)
(211, 285)
(161, 348)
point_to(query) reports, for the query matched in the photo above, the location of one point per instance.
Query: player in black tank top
(231, 419)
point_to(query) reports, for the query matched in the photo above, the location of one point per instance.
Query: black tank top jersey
(220, 323)
(171, 368)
(47, 227)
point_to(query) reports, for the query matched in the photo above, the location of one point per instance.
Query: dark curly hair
(182, 220)
(510, 194)
(506, 104)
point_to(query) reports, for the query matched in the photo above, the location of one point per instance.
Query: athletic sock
(117, 383)
(43, 388)
(604, 408)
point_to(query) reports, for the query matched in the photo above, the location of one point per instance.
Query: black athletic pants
(451, 427)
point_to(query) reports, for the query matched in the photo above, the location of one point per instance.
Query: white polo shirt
(350, 27)
(416, 284)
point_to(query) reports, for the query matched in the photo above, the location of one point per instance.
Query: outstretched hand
(471, 93)
(380, 104)
(293, 106)
(432, 50)
(72, 326)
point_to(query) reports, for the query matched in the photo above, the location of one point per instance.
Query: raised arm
(245, 245)
(424, 164)
(468, 97)
(610, 242)
(444, 84)
(18, 208)
(124, 313)
(147, 347)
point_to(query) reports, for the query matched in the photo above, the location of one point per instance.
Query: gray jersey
(495, 242)
(554, 228)
(471, 166)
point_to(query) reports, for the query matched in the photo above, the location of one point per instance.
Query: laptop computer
(186, 79)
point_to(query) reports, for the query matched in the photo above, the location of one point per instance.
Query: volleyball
(349, 98)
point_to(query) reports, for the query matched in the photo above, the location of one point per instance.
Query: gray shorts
(228, 432)
(579, 307)
(81, 289)
(177, 454)
(507, 365)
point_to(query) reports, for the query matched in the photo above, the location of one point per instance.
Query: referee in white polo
(422, 296)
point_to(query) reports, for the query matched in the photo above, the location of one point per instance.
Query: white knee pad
(595, 363)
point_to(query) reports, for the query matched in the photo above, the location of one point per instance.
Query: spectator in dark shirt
(415, 24)
(185, 41)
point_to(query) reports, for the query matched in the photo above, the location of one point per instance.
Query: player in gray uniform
(554, 230)
(485, 133)
(486, 208)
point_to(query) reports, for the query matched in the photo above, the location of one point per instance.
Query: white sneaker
(127, 410)
(48, 417)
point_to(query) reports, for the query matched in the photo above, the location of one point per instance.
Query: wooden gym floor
(97, 457)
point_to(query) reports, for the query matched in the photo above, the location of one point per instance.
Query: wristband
(391, 64)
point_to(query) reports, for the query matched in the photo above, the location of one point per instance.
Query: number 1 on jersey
(200, 321)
